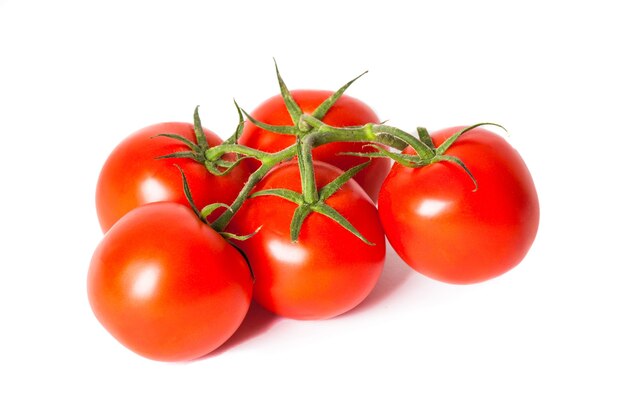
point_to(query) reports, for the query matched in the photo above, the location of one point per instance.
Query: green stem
(304, 149)
(420, 147)
(268, 161)
(386, 135)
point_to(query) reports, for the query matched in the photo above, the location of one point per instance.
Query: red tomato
(132, 176)
(347, 111)
(444, 229)
(166, 285)
(328, 271)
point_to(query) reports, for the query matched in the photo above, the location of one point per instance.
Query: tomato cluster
(293, 211)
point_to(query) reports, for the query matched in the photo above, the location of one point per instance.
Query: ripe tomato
(347, 111)
(328, 271)
(444, 229)
(166, 285)
(132, 176)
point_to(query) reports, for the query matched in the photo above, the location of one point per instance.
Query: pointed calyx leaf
(440, 152)
(182, 154)
(199, 131)
(299, 215)
(281, 130)
(233, 236)
(328, 211)
(209, 209)
(333, 186)
(459, 162)
(323, 108)
(283, 193)
(188, 196)
(235, 136)
(194, 147)
(450, 141)
(292, 107)
(425, 137)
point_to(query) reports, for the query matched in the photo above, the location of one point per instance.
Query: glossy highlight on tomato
(132, 175)
(328, 271)
(347, 111)
(166, 285)
(446, 229)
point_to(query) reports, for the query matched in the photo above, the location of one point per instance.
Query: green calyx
(196, 149)
(199, 150)
(305, 209)
(440, 151)
(302, 123)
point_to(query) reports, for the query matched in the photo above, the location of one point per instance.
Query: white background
(547, 338)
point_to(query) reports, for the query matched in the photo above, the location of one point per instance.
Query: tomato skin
(347, 111)
(132, 176)
(445, 230)
(328, 271)
(166, 285)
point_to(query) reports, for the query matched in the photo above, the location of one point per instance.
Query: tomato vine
(311, 132)
(458, 205)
